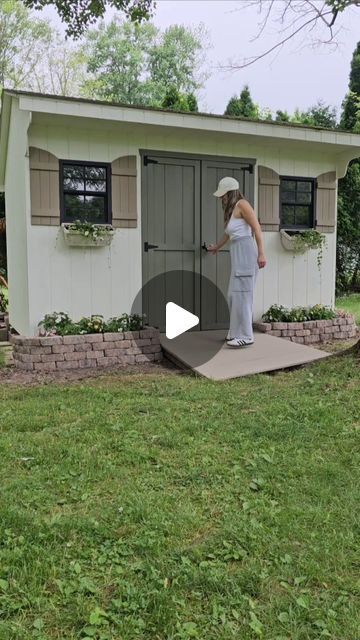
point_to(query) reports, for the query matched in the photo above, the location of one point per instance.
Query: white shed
(151, 174)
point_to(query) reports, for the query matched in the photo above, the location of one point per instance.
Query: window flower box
(92, 236)
(288, 238)
(298, 241)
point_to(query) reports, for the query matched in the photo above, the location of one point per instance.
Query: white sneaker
(239, 342)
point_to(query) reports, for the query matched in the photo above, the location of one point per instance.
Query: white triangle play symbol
(178, 320)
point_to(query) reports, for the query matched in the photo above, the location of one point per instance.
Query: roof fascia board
(187, 121)
(4, 135)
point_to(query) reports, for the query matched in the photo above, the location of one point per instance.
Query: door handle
(148, 246)
(204, 246)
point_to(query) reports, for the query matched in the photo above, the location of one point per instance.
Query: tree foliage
(243, 106)
(79, 14)
(348, 235)
(139, 64)
(22, 44)
(179, 101)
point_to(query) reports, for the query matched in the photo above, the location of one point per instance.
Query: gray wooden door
(171, 235)
(179, 215)
(217, 268)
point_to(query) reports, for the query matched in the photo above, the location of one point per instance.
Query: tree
(79, 14)
(22, 44)
(304, 15)
(243, 106)
(319, 115)
(350, 104)
(177, 60)
(61, 70)
(179, 101)
(138, 64)
(118, 59)
(348, 233)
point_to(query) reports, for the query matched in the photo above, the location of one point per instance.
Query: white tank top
(238, 228)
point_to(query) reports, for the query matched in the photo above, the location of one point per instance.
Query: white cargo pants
(244, 271)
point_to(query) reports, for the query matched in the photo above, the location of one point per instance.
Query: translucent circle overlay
(198, 295)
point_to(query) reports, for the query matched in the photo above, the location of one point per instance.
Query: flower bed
(57, 352)
(341, 327)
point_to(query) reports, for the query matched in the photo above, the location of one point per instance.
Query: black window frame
(313, 203)
(107, 197)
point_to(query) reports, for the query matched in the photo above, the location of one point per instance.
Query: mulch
(12, 376)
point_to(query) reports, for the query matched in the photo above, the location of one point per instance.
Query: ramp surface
(268, 353)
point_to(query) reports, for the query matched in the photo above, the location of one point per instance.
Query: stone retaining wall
(89, 350)
(311, 331)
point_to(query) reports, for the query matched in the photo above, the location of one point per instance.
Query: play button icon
(178, 320)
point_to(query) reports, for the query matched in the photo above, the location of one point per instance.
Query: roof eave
(59, 105)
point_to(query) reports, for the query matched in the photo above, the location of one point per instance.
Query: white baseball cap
(225, 185)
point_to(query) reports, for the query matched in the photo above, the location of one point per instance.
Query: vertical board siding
(114, 289)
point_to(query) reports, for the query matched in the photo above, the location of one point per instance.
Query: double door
(180, 217)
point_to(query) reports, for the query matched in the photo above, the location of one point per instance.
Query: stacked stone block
(91, 350)
(311, 331)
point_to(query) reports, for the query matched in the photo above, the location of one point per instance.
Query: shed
(151, 174)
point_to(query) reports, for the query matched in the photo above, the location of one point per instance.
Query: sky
(298, 74)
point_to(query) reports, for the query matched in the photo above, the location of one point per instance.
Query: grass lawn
(170, 507)
(350, 303)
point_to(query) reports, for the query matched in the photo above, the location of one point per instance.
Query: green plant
(94, 324)
(59, 323)
(89, 229)
(311, 239)
(125, 322)
(279, 313)
(3, 301)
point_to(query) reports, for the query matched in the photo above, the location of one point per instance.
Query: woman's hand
(261, 260)
(213, 249)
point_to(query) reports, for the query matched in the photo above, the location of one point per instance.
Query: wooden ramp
(206, 353)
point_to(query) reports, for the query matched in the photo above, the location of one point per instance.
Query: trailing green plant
(89, 229)
(310, 239)
(59, 323)
(279, 313)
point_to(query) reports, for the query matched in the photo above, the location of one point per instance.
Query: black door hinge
(148, 160)
(148, 246)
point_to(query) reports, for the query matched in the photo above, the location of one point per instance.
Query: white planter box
(74, 238)
(288, 242)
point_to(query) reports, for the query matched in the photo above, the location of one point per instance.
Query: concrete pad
(268, 353)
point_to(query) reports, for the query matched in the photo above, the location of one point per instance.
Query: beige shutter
(44, 187)
(268, 199)
(325, 213)
(123, 192)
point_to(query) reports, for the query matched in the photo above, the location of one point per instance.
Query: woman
(240, 225)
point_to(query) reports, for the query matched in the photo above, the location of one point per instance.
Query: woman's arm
(214, 248)
(248, 214)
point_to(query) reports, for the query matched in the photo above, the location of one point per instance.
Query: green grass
(350, 303)
(171, 507)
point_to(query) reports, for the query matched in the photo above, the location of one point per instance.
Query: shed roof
(344, 144)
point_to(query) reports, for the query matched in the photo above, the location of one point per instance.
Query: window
(297, 202)
(85, 191)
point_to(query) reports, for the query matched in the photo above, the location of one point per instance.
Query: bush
(60, 324)
(278, 313)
